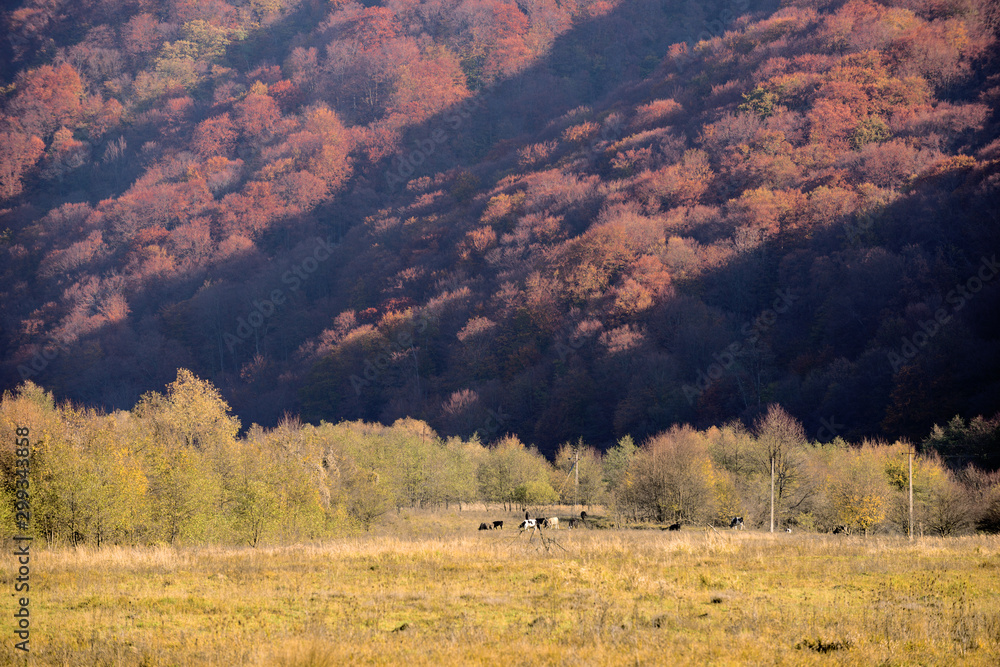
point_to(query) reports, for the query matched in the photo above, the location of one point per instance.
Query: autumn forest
(558, 221)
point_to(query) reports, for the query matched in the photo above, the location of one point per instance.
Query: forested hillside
(555, 219)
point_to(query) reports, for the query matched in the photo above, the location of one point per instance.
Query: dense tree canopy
(172, 471)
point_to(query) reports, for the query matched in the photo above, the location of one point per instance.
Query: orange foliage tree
(48, 97)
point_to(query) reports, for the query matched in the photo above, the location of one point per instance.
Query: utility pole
(909, 456)
(772, 493)
(576, 468)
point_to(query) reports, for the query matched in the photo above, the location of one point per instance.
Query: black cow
(737, 522)
(498, 525)
(674, 526)
(839, 529)
(484, 526)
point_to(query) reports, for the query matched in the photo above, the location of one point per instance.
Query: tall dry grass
(430, 589)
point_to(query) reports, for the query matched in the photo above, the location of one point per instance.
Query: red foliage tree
(48, 97)
(19, 152)
(63, 261)
(889, 164)
(301, 190)
(680, 184)
(329, 162)
(106, 117)
(374, 27)
(252, 211)
(428, 85)
(769, 211)
(176, 112)
(266, 74)
(849, 93)
(499, 33)
(507, 21)
(286, 94)
(214, 136)
(831, 123)
(143, 35)
(303, 64)
(191, 242)
(257, 115)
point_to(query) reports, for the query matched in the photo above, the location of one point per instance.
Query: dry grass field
(427, 588)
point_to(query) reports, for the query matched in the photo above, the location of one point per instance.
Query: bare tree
(671, 478)
(778, 454)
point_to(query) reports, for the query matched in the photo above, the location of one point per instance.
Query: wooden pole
(909, 456)
(772, 493)
(576, 467)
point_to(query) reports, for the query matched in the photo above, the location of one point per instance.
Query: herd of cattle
(529, 523)
(571, 522)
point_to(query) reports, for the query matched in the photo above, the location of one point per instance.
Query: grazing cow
(543, 523)
(674, 526)
(554, 522)
(583, 516)
(528, 524)
(484, 526)
(498, 525)
(839, 529)
(737, 522)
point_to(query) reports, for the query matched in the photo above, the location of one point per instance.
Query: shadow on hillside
(600, 62)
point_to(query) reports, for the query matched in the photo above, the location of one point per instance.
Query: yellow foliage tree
(513, 474)
(191, 414)
(860, 491)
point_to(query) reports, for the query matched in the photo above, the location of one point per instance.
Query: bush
(870, 131)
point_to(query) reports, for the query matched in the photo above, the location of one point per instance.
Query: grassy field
(427, 588)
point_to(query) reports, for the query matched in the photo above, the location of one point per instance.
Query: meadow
(428, 588)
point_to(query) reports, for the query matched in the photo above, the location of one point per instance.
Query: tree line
(176, 469)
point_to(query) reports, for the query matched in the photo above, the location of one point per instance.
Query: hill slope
(562, 220)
